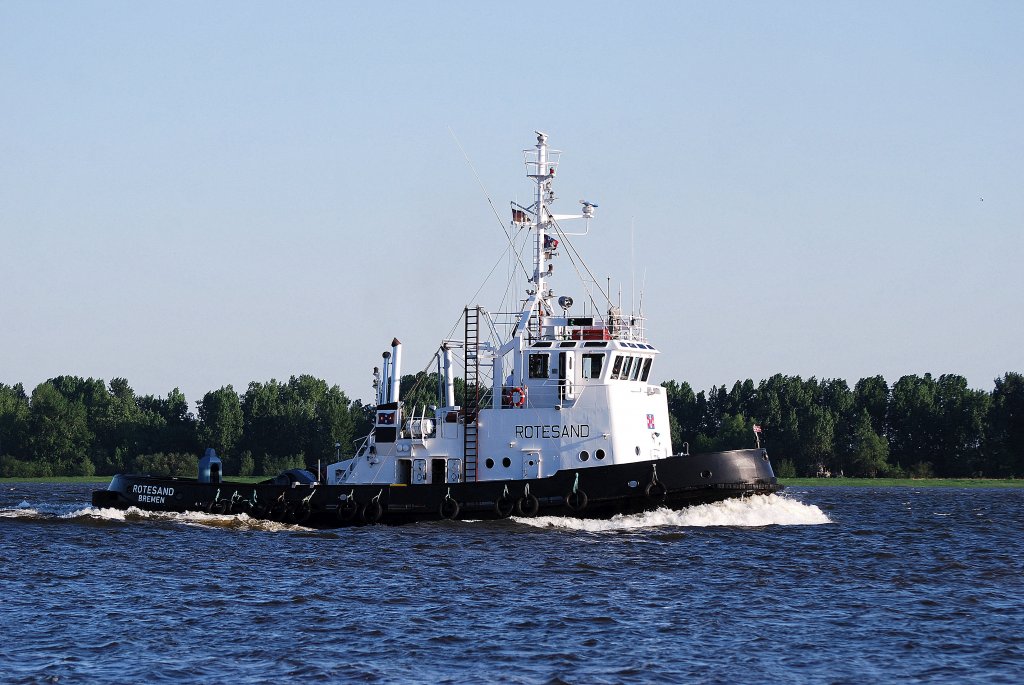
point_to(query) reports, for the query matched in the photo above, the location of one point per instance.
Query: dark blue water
(844, 585)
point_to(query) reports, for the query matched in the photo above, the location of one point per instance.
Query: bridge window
(616, 366)
(538, 365)
(647, 370)
(636, 367)
(626, 366)
(592, 364)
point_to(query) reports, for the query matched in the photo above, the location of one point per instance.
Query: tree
(59, 431)
(167, 425)
(304, 416)
(913, 419)
(961, 425)
(220, 424)
(14, 420)
(872, 395)
(869, 452)
(736, 432)
(1005, 437)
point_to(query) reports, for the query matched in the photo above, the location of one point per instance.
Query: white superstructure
(562, 392)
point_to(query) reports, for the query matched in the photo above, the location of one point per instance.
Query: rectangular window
(626, 366)
(538, 365)
(636, 367)
(616, 366)
(592, 364)
(647, 370)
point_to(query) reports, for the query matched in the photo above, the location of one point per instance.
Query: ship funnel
(396, 368)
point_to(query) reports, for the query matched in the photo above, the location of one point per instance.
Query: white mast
(541, 164)
(543, 179)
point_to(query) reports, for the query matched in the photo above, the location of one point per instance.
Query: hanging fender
(576, 500)
(449, 509)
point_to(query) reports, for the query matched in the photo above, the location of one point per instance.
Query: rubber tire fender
(217, 507)
(656, 490)
(528, 505)
(372, 511)
(278, 511)
(347, 510)
(577, 501)
(449, 509)
(301, 512)
(504, 506)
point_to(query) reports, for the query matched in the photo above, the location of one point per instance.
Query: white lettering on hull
(153, 494)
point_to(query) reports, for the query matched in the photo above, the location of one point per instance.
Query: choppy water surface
(819, 585)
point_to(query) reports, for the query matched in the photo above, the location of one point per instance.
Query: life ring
(372, 511)
(504, 506)
(577, 500)
(449, 509)
(515, 397)
(348, 509)
(528, 505)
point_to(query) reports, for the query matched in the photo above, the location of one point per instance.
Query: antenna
(632, 269)
(643, 286)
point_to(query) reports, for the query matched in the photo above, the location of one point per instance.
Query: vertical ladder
(471, 399)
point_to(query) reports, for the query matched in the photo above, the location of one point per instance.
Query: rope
(576, 485)
(487, 195)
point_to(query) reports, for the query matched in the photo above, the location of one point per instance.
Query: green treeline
(76, 426)
(921, 426)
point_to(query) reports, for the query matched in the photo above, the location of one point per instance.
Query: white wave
(18, 513)
(748, 512)
(189, 518)
(133, 514)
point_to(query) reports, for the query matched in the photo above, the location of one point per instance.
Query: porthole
(764, 456)
(489, 463)
(599, 454)
(506, 462)
(705, 474)
(638, 450)
(584, 455)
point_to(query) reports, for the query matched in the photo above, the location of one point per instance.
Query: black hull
(598, 492)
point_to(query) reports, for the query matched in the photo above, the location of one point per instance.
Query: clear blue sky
(197, 194)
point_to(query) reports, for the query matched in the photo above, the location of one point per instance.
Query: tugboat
(556, 418)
